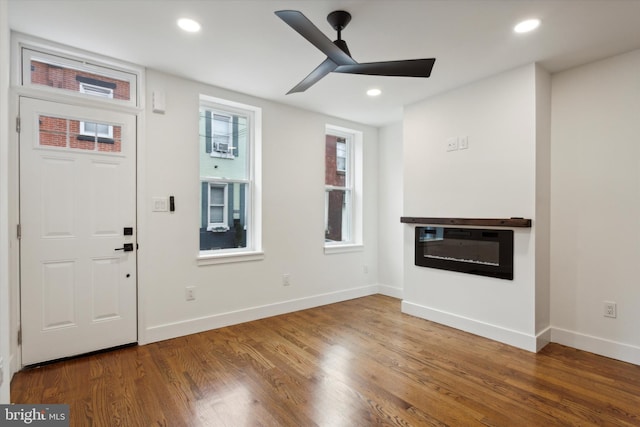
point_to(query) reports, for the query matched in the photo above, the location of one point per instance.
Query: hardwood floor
(356, 363)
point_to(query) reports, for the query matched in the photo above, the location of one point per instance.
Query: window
(217, 207)
(52, 70)
(341, 156)
(229, 171)
(343, 187)
(59, 132)
(337, 191)
(96, 130)
(220, 128)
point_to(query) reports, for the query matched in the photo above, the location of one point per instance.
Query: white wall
(5, 352)
(390, 229)
(543, 206)
(595, 206)
(494, 178)
(293, 218)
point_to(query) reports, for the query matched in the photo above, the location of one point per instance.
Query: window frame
(353, 189)
(253, 249)
(32, 50)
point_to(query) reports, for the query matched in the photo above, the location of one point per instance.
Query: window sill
(340, 249)
(222, 155)
(229, 257)
(217, 229)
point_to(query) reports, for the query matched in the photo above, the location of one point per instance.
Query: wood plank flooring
(356, 363)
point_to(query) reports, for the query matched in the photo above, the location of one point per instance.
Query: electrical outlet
(286, 279)
(610, 309)
(190, 293)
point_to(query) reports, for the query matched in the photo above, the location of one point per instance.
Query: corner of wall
(542, 223)
(390, 205)
(390, 291)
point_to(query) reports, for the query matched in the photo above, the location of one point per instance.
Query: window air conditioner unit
(222, 147)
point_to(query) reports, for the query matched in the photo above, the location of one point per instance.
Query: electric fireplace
(486, 252)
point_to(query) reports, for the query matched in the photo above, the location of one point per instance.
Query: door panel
(104, 204)
(77, 193)
(58, 283)
(57, 214)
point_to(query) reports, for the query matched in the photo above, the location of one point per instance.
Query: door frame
(18, 41)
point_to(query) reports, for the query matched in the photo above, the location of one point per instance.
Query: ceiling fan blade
(406, 68)
(321, 70)
(306, 29)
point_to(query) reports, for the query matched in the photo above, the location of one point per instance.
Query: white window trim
(253, 250)
(28, 48)
(355, 159)
(343, 249)
(229, 257)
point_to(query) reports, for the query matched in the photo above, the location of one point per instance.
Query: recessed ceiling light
(374, 92)
(189, 25)
(526, 26)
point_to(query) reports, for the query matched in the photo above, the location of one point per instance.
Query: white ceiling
(244, 47)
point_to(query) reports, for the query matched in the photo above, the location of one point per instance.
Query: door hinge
(20, 336)
(18, 124)
(19, 231)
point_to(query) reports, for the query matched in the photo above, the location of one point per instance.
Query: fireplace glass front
(485, 252)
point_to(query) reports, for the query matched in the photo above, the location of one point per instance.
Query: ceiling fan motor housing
(339, 20)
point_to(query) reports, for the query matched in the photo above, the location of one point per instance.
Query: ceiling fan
(339, 59)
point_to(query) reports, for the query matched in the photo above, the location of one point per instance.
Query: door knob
(128, 247)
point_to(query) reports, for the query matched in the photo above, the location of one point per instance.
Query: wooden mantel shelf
(489, 222)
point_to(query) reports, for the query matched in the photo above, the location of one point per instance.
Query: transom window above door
(50, 71)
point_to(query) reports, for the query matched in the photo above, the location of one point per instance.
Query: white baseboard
(543, 338)
(390, 291)
(496, 333)
(604, 347)
(193, 326)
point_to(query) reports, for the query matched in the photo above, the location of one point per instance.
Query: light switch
(160, 204)
(463, 142)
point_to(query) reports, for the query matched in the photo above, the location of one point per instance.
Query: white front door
(78, 230)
